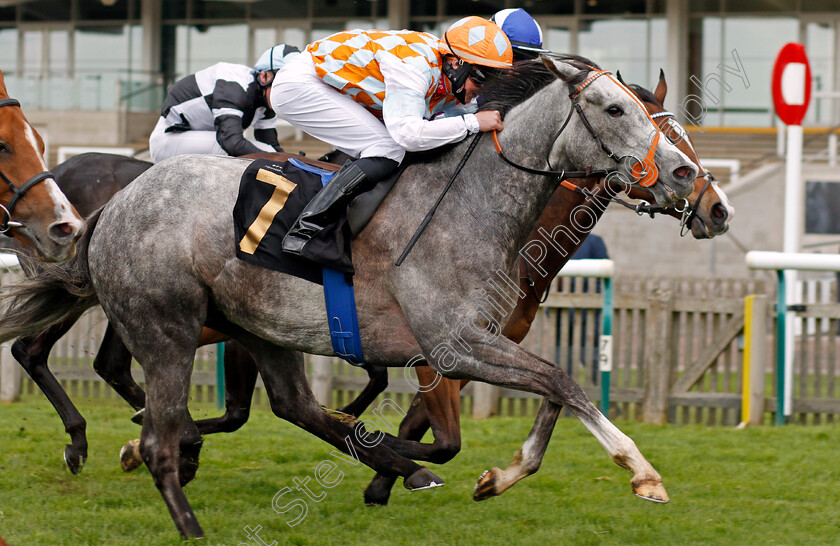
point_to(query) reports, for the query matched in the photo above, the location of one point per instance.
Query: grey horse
(160, 260)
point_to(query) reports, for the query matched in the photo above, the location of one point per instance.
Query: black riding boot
(324, 207)
(331, 202)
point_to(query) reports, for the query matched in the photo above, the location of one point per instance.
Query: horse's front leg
(292, 399)
(527, 459)
(499, 361)
(438, 408)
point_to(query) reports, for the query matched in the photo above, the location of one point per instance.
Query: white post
(780, 138)
(322, 379)
(793, 224)
(11, 376)
(832, 149)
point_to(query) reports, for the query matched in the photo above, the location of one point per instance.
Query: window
(8, 59)
(217, 43)
(101, 61)
(617, 43)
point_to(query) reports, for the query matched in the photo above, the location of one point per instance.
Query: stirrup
(292, 244)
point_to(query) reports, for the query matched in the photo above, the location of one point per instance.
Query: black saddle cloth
(272, 196)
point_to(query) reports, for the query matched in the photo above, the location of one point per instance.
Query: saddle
(272, 196)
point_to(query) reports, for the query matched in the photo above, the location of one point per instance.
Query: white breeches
(164, 145)
(303, 99)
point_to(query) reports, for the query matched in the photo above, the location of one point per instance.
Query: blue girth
(339, 297)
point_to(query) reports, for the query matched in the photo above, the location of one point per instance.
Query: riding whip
(431, 213)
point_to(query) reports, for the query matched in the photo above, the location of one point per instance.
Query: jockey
(207, 112)
(525, 34)
(377, 94)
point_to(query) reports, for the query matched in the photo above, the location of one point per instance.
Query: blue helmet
(524, 33)
(275, 57)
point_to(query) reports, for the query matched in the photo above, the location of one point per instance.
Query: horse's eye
(615, 111)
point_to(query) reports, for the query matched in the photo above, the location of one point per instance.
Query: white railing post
(786, 264)
(11, 375)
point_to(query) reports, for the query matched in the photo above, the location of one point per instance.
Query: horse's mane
(507, 88)
(645, 95)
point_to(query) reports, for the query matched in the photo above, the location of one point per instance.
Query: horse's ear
(661, 88)
(562, 70)
(619, 78)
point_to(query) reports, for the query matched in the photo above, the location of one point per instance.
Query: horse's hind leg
(166, 415)
(240, 379)
(291, 399)
(378, 382)
(32, 353)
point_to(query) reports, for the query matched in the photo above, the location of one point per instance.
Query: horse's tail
(51, 294)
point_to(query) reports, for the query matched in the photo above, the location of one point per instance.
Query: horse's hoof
(74, 460)
(422, 479)
(130, 458)
(486, 485)
(138, 416)
(652, 491)
(376, 493)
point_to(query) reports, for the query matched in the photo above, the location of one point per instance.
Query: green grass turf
(757, 486)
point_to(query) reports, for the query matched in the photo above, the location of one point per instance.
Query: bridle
(687, 215)
(564, 174)
(648, 177)
(18, 192)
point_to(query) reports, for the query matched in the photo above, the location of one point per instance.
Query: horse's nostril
(682, 172)
(61, 231)
(719, 212)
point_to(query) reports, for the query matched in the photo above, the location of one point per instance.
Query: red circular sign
(792, 84)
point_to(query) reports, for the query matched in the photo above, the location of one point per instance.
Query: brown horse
(32, 208)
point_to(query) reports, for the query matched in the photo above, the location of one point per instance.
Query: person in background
(377, 94)
(208, 112)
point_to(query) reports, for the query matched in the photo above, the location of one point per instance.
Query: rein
(18, 192)
(431, 212)
(685, 221)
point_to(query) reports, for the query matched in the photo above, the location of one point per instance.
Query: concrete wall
(640, 245)
(140, 125)
(91, 128)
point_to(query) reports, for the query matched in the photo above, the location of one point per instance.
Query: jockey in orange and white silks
(377, 94)
(207, 112)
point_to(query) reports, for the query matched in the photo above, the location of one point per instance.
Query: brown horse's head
(713, 210)
(40, 216)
